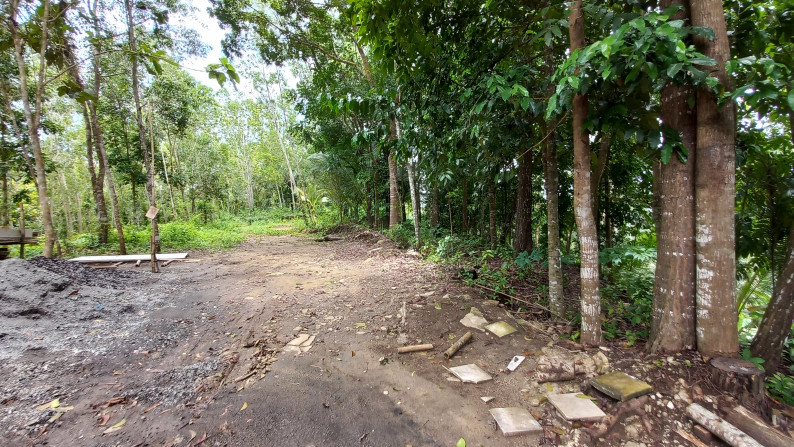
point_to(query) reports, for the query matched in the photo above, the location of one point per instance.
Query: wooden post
(22, 230)
(152, 215)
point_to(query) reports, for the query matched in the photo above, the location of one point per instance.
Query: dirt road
(209, 343)
(196, 355)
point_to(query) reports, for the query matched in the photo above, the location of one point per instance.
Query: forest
(643, 148)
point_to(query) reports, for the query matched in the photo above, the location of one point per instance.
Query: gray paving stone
(516, 421)
(576, 407)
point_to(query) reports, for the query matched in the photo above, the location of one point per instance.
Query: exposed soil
(193, 356)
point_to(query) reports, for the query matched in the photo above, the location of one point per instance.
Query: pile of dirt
(52, 304)
(82, 274)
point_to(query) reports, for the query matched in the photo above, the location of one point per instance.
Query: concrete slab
(621, 386)
(516, 421)
(500, 328)
(470, 373)
(474, 319)
(299, 341)
(576, 407)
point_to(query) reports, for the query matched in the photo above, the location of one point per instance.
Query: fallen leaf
(54, 404)
(245, 405)
(361, 324)
(438, 306)
(115, 428)
(353, 354)
(104, 420)
(151, 408)
(461, 443)
(55, 417)
(192, 435)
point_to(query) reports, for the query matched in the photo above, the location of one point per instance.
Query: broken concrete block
(474, 319)
(554, 369)
(500, 328)
(470, 373)
(516, 421)
(621, 386)
(576, 407)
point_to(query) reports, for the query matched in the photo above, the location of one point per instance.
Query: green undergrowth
(225, 231)
(627, 270)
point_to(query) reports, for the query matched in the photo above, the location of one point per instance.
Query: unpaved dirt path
(213, 346)
(194, 356)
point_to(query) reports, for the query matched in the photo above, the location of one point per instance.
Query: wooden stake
(414, 348)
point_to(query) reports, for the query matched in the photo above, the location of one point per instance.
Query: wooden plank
(13, 233)
(129, 258)
(754, 426)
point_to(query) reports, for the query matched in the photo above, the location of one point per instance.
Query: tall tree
(583, 210)
(523, 237)
(141, 130)
(673, 324)
(715, 178)
(37, 33)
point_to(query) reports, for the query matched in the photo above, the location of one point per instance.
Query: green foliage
(628, 299)
(781, 387)
(757, 361)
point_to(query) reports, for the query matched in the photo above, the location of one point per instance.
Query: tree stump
(742, 379)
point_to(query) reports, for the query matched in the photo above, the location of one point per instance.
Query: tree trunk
(465, 206)
(415, 203)
(394, 194)
(434, 209)
(79, 211)
(551, 178)
(67, 205)
(673, 325)
(99, 141)
(715, 180)
(775, 326)
(97, 179)
(33, 115)
(99, 137)
(492, 212)
(141, 131)
(6, 214)
(375, 194)
(598, 172)
(523, 240)
(583, 210)
(368, 195)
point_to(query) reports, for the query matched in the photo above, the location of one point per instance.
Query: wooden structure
(129, 258)
(13, 236)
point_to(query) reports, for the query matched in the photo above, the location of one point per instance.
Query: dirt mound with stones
(51, 304)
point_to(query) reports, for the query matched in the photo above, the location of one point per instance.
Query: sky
(212, 35)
